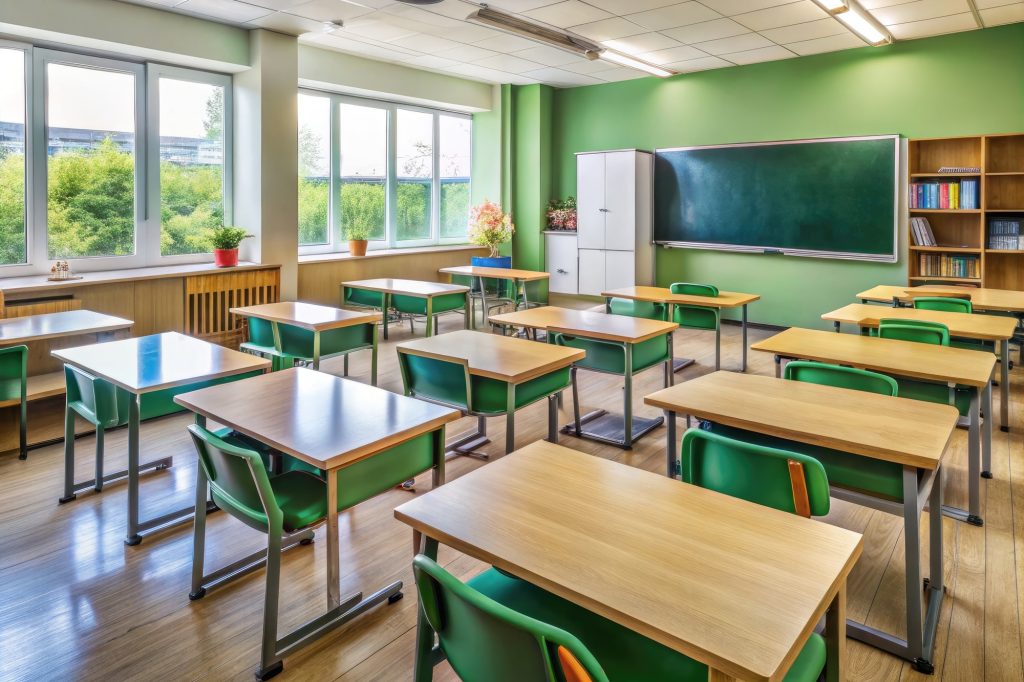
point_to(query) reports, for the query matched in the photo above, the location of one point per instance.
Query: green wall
(531, 172)
(966, 83)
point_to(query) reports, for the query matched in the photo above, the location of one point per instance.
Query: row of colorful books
(946, 265)
(1004, 234)
(945, 195)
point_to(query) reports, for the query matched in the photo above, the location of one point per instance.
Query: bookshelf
(963, 233)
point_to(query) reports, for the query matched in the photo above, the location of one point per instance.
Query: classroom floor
(76, 603)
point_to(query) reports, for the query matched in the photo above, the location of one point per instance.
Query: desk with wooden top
(663, 295)
(601, 329)
(168, 362)
(409, 296)
(997, 300)
(710, 576)
(910, 434)
(994, 328)
(940, 364)
(519, 278)
(320, 320)
(508, 360)
(331, 424)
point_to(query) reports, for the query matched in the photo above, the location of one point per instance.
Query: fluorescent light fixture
(536, 32)
(832, 6)
(858, 20)
(332, 26)
(634, 63)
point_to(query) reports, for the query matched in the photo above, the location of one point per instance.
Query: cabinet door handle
(560, 271)
(603, 210)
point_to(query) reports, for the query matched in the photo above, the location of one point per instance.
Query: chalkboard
(832, 198)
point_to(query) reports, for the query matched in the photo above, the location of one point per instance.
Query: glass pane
(415, 170)
(191, 165)
(90, 142)
(12, 156)
(364, 171)
(456, 147)
(314, 169)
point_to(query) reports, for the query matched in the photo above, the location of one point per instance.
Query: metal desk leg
(835, 637)
(430, 317)
(744, 337)
(526, 301)
(912, 562)
(835, 325)
(986, 433)
(133, 537)
(627, 398)
(385, 302)
(1004, 389)
(553, 417)
(467, 309)
(778, 367)
(670, 446)
(974, 436)
(483, 301)
(510, 418)
(373, 355)
(316, 351)
(333, 568)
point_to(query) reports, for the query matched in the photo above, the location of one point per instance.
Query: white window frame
(147, 159)
(336, 242)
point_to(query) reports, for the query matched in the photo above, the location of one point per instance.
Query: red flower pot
(225, 258)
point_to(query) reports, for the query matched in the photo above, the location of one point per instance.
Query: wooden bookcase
(1000, 160)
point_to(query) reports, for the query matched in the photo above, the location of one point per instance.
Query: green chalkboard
(830, 198)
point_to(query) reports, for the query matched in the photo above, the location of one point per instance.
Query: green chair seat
(415, 305)
(298, 342)
(302, 498)
(14, 388)
(695, 316)
(631, 308)
(364, 297)
(935, 393)
(490, 395)
(844, 470)
(625, 655)
(606, 356)
(161, 403)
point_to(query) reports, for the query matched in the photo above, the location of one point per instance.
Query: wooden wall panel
(112, 299)
(209, 298)
(319, 282)
(159, 306)
(41, 307)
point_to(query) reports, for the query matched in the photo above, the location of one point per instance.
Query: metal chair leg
(575, 403)
(199, 537)
(270, 662)
(23, 430)
(69, 456)
(99, 460)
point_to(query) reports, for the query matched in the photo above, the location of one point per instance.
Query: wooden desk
(317, 319)
(427, 292)
(725, 299)
(595, 532)
(330, 423)
(995, 328)
(518, 277)
(625, 331)
(509, 360)
(143, 365)
(939, 364)
(910, 433)
(1000, 300)
(53, 325)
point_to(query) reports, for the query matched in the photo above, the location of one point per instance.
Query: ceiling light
(332, 26)
(858, 20)
(536, 32)
(634, 63)
(832, 6)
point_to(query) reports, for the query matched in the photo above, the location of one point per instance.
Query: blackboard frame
(810, 253)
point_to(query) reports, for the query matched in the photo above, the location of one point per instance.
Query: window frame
(336, 242)
(146, 149)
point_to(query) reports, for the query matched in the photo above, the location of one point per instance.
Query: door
(620, 269)
(562, 263)
(590, 200)
(592, 274)
(620, 201)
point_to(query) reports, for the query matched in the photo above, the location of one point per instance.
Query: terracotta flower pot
(225, 258)
(357, 247)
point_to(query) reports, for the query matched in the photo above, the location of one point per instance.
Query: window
(131, 161)
(400, 174)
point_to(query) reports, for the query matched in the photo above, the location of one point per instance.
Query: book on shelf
(959, 170)
(1004, 234)
(922, 233)
(959, 194)
(948, 265)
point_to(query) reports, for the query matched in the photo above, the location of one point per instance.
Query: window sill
(385, 253)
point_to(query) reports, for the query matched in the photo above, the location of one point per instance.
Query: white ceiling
(682, 36)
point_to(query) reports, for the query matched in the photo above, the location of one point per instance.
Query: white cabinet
(563, 262)
(613, 200)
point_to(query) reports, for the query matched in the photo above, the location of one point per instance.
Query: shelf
(1007, 173)
(945, 210)
(946, 175)
(1004, 210)
(947, 279)
(947, 249)
(41, 386)
(1006, 251)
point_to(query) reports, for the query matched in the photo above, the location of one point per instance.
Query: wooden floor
(76, 603)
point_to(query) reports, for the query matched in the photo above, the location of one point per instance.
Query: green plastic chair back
(631, 308)
(436, 380)
(485, 640)
(756, 473)
(96, 400)
(695, 316)
(918, 331)
(843, 377)
(261, 332)
(13, 373)
(945, 303)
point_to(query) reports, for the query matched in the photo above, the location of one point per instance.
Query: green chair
(631, 308)
(955, 305)
(430, 308)
(14, 389)
(285, 507)
(311, 346)
(502, 629)
(843, 377)
(699, 317)
(449, 383)
(261, 343)
(920, 331)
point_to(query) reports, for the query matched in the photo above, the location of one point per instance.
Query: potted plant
(561, 214)
(491, 227)
(225, 241)
(357, 234)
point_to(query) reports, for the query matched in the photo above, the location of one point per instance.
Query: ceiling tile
(841, 41)
(422, 42)
(619, 73)
(1006, 14)
(747, 41)
(330, 10)
(645, 42)
(507, 43)
(269, 4)
(282, 22)
(623, 7)
(228, 10)
(783, 15)
(353, 45)
(762, 54)
(428, 61)
(702, 64)
(507, 62)
(872, 4)
(608, 29)
(453, 9)
(467, 53)
(683, 14)
(568, 13)
(673, 54)
(470, 33)
(154, 3)
(378, 29)
(810, 30)
(587, 66)
(919, 10)
(561, 77)
(480, 73)
(731, 7)
(987, 4)
(934, 27)
(548, 56)
(706, 30)
(520, 6)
